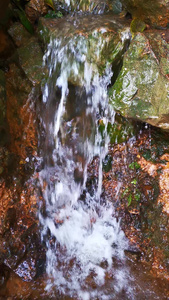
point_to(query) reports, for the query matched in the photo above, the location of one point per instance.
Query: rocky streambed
(135, 168)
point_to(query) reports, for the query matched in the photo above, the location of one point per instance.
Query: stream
(85, 244)
(84, 180)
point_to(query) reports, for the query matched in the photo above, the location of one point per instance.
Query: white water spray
(81, 233)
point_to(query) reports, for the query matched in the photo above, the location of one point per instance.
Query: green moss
(121, 130)
(52, 14)
(101, 46)
(137, 25)
(31, 60)
(141, 90)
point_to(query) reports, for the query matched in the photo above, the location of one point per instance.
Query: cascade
(82, 234)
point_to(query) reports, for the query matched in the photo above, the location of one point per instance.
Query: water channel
(85, 244)
(80, 175)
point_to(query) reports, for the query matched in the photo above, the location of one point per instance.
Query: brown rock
(36, 8)
(19, 34)
(20, 116)
(153, 12)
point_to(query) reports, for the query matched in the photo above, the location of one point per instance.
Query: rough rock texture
(153, 12)
(31, 60)
(35, 8)
(19, 97)
(29, 53)
(20, 246)
(2, 99)
(21, 251)
(19, 34)
(142, 87)
(136, 180)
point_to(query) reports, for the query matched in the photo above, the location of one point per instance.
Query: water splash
(82, 235)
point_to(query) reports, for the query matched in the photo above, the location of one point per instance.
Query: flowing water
(85, 244)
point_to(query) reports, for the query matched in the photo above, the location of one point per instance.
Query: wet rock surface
(19, 34)
(32, 65)
(153, 12)
(141, 90)
(96, 6)
(136, 180)
(21, 250)
(28, 53)
(136, 169)
(104, 41)
(36, 8)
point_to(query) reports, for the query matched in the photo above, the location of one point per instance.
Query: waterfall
(82, 234)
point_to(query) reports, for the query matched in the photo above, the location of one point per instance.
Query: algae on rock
(100, 43)
(31, 60)
(141, 90)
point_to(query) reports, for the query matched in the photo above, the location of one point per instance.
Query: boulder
(137, 181)
(31, 60)
(141, 90)
(88, 42)
(20, 116)
(29, 53)
(19, 34)
(153, 12)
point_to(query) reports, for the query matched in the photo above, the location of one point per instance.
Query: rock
(19, 115)
(31, 60)
(20, 243)
(14, 250)
(2, 100)
(35, 8)
(141, 90)
(137, 183)
(27, 269)
(153, 12)
(5, 203)
(19, 34)
(96, 6)
(16, 288)
(98, 42)
(29, 53)
(116, 6)
(137, 25)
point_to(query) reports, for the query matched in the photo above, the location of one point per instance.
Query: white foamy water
(82, 235)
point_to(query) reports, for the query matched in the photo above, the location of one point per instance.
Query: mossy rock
(141, 90)
(98, 42)
(153, 12)
(137, 25)
(19, 34)
(31, 60)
